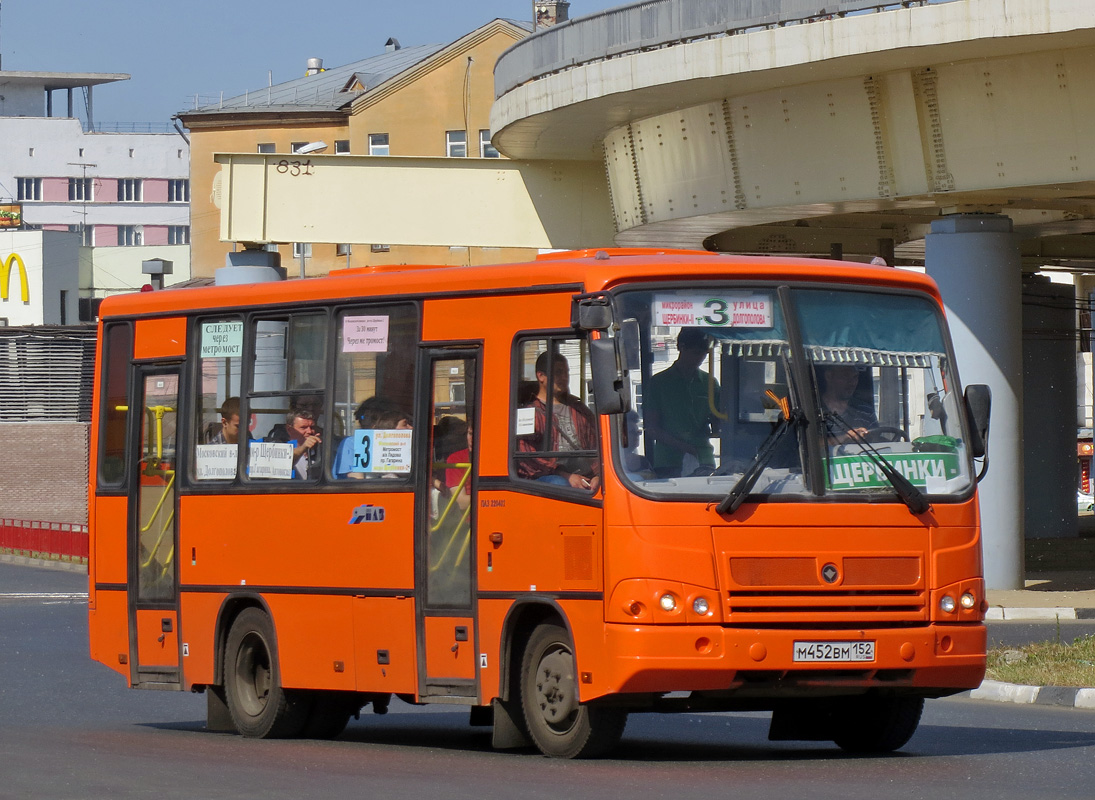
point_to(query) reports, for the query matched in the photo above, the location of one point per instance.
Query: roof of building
(59, 80)
(332, 89)
(325, 91)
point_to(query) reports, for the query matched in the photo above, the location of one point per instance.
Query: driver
(838, 385)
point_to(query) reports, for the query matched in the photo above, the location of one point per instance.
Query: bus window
(287, 398)
(555, 430)
(883, 389)
(217, 402)
(374, 392)
(156, 494)
(117, 353)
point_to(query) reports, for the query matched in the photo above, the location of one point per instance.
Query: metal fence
(659, 23)
(46, 373)
(49, 540)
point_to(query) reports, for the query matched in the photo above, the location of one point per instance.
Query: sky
(176, 50)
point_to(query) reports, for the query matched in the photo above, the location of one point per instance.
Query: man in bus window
(837, 384)
(229, 429)
(677, 410)
(300, 430)
(573, 428)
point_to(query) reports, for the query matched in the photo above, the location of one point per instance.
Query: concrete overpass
(954, 133)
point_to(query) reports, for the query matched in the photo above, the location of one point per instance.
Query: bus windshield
(791, 392)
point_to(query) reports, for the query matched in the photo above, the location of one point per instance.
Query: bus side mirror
(611, 390)
(978, 406)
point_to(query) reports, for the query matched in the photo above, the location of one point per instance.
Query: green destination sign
(859, 472)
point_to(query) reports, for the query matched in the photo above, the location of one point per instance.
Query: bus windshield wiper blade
(909, 494)
(749, 478)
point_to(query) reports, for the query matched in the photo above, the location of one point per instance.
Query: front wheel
(260, 708)
(879, 725)
(561, 726)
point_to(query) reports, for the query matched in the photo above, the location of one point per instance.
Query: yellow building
(428, 100)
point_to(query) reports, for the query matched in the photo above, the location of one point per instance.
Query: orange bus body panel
(160, 338)
(108, 630)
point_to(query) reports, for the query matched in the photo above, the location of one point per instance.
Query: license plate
(834, 651)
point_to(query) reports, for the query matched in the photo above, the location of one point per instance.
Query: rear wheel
(260, 708)
(558, 724)
(879, 724)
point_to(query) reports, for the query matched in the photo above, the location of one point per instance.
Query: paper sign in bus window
(365, 334)
(270, 460)
(526, 421)
(222, 340)
(383, 451)
(733, 310)
(215, 462)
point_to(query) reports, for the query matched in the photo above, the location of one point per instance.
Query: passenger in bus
(453, 477)
(677, 410)
(374, 413)
(573, 428)
(300, 430)
(228, 431)
(837, 384)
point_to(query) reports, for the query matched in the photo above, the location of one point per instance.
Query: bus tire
(260, 708)
(558, 724)
(879, 724)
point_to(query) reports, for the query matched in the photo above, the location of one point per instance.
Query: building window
(295, 146)
(486, 149)
(378, 144)
(342, 147)
(130, 235)
(267, 147)
(456, 144)
(178, 190)
(130, 190)
(29, 188)
(343, 249)
(304, 248)
(178, 234)
(380, 248)
(79, 190)
(85, 233)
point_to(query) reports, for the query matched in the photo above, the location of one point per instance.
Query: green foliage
(1045, 664)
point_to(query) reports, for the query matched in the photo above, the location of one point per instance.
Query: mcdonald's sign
(5, 277)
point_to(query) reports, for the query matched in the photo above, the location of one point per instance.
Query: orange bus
(557, 492)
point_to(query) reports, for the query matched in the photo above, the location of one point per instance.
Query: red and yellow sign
(11, 216)
(5, 277)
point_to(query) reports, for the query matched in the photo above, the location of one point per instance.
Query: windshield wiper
(749, 478)
(909, 494)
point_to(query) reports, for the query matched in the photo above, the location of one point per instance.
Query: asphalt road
(70, 729)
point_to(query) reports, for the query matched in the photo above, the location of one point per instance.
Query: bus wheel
(878, 724)
(559, 725)
(260, 708)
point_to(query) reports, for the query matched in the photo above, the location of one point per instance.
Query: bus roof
(591, 270)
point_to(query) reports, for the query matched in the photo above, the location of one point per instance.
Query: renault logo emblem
(830, 573)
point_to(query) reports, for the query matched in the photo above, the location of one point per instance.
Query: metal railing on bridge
(655, 24)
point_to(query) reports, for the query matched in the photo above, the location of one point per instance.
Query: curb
(43, 563)
(1008, 614)
(999, 692)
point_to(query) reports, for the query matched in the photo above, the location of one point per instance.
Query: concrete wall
(52, 486)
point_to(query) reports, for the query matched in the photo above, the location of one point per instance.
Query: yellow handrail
(462, 526)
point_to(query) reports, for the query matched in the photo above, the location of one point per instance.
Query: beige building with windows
(426, 100)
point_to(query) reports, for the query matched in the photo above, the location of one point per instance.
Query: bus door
(153, 535)
(445, 537)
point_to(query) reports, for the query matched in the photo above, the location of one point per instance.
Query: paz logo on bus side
(367, 513)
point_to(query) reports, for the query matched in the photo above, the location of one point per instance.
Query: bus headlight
(947, 604)
(668, 602)
(701, 606)
(967, 600)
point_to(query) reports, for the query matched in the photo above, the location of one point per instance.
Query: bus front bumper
(931, 660)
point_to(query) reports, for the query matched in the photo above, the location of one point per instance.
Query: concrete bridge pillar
(975, 260)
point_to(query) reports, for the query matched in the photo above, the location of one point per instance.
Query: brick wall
(43, 471)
